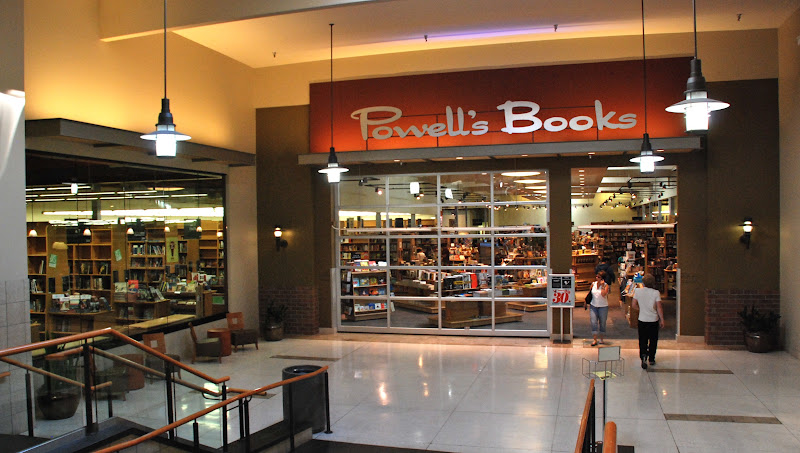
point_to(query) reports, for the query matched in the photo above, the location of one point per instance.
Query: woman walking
(651, 317)
(598, 310)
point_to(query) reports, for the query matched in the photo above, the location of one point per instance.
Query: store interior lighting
(165, 135)
(333, 170)
(697, 106)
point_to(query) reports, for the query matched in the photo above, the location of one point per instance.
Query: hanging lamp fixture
(165, 135)
(697, 106)
(333, 170)
(32, 233)
(646, 158)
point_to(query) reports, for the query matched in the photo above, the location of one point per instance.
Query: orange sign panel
(580, 102)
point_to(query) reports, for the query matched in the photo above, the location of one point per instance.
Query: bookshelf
(364, 283)
(363, 249)
(38, 275)
(147, 256)
(62, 261)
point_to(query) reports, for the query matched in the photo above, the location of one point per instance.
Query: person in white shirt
(651, 317)
(598, 313)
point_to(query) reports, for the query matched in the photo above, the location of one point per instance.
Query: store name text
(520, 118)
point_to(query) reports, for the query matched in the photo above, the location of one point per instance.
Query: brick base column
(302, 317)
(722, 321)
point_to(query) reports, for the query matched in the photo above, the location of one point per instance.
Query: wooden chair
(158, 342)
(239, 335)
(210, 347)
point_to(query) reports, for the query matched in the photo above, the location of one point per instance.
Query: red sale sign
(561, 290)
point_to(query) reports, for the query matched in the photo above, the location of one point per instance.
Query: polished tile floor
(513, 394)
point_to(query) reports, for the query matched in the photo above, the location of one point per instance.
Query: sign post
(560, 296)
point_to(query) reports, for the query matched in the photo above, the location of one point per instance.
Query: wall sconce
(278, 241)
(747, 228)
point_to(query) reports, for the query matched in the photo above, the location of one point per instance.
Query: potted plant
(760, 329)
(55, 398)
(273, 321)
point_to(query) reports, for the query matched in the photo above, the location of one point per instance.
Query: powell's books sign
(583, 102)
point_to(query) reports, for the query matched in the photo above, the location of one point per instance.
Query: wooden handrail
(101, 333)
(585, 418)
(5, 374)
(610, 438)
(148, 370)
(57, 377)
(207, 410)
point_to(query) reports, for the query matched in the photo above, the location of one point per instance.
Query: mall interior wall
(71, 73)
(789, 89)
(14, 317)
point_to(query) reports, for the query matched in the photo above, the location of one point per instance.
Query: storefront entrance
(628, 218)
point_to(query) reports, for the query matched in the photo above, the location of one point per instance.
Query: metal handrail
(102, 333)
(196, 415)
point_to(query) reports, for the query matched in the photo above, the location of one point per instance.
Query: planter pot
(273, 332)
(58, 405)
(760, 341)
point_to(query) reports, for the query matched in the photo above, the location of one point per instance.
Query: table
(224, 335)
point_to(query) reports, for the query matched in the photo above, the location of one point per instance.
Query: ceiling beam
(674, 144)
(124, 19)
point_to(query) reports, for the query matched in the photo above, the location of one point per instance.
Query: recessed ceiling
(392, 26)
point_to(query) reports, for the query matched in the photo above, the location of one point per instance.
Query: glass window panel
(465, 188)
(466, 218)
(413, 251)
(360, 222)
(481, 257)
(521, 251)
(362, 311)
(467, 251)
(412, 190)
(362, 191)
(518, 215)
(520, 186)
(360, 251)
(409, 219)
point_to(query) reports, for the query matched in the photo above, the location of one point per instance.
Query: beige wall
(242, 237)
(741, 55)
(789, 93)
(70, 73)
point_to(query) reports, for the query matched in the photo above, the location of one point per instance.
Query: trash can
(308, 398)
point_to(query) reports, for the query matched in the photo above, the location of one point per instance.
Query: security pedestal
(561, 324)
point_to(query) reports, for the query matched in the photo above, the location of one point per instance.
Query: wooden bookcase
(364, 283)
(147, 257)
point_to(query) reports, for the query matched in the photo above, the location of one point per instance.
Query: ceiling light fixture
(32, 233)
(413, 188)
(646, 159)
(165, 135)
(333, 170)
(520, 174)
(697, 106)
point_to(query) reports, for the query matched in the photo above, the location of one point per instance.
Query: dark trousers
(648, 339)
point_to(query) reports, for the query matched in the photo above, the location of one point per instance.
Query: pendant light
(697, 106)
(32, 233)
(165, 135)
(333, 170)
(646, 159)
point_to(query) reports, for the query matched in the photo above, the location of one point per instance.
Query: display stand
(560, 302)
(608, 365)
